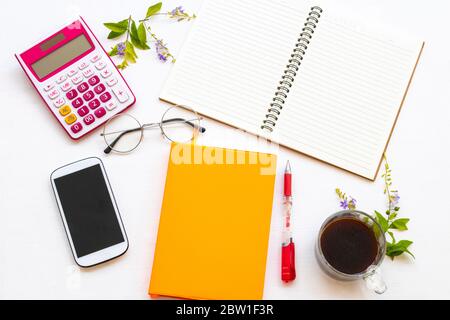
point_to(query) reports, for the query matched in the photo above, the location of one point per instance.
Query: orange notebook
(214, 225)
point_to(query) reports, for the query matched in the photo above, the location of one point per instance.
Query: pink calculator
(76, 79)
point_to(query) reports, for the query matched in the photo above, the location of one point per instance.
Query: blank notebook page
(347, 95)
(233, 58)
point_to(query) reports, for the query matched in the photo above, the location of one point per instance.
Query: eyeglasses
(123, 133)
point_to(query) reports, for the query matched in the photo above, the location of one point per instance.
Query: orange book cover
(214, 225)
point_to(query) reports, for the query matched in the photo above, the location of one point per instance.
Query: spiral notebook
(297, 75)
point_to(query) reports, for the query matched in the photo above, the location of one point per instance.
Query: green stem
(155, 14)
(386, 184)
(128, 30)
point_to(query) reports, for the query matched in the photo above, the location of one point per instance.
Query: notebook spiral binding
(291, 69)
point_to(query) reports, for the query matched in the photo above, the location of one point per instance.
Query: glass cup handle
(374, 281)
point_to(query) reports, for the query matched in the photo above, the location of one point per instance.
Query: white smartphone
(89, 212)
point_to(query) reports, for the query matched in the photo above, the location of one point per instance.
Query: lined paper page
(346, 96)
(231, 63)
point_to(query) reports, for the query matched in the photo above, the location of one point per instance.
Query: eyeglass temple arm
(201, 129)
(112, 144)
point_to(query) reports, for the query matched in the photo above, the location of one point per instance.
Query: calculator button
(100, 65)
(100, 88)
(77, 79)
(49, 87)
(78, 102)
(89, 119)
(66, 86)
(59, 102)
(105, 97)
(94, 80)
(120, 94)
(83, 65)
(72, 94)
(105, 73)
(96, 58)
(94, 104)
(53, 94)
(88, 73)
(71, 118)
(83, 87)
(111, 82)
(64, 111)
(88, 95)
(110, 105)
(61, 79)
(76, 127)
(100, 112)
(83, 111)
(72, 72)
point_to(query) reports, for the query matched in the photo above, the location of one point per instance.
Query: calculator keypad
(105, 97)
(89, 119)
(53, 94)
(71, 118)
(88, 73)
(94, 104)
(72, 94)
(87, 91)
(64, 111)
(78, 102)
(100, 88)
(77, 79)
(89, 95)
(77, 127)
(82, 87)
(59, 102)
(83, 111)
(94, 80)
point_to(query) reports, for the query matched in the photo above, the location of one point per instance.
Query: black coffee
(349, 245)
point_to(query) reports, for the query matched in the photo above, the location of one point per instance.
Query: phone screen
(89, 210)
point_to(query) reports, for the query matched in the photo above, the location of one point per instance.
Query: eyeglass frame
(110, 146)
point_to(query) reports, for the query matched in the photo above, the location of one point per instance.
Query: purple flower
(161, 50)
(352, 204)
(395, 198)
(121, 49)
(159, 46)
(343, 204)
(162, 57)
(176, 10)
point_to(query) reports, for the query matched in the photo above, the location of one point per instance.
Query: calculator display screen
(89, 210)
(61, 56)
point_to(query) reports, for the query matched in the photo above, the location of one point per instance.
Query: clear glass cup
(371, 275)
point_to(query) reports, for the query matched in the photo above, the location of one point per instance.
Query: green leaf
(134, 35)
(113, 51)
(382, 221)
(130, 54)
(396, 249)
(123, 65)
(391, 234)
(120, 26)
(400, 224)
(392, 216)
(153, 9)
(135, 39)
(142, 35)
(114, 34)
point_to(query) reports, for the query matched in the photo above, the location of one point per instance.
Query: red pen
(288, 248)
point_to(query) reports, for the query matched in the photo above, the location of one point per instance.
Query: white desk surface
(35, 260)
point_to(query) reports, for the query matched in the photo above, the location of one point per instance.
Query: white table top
(35, 259)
